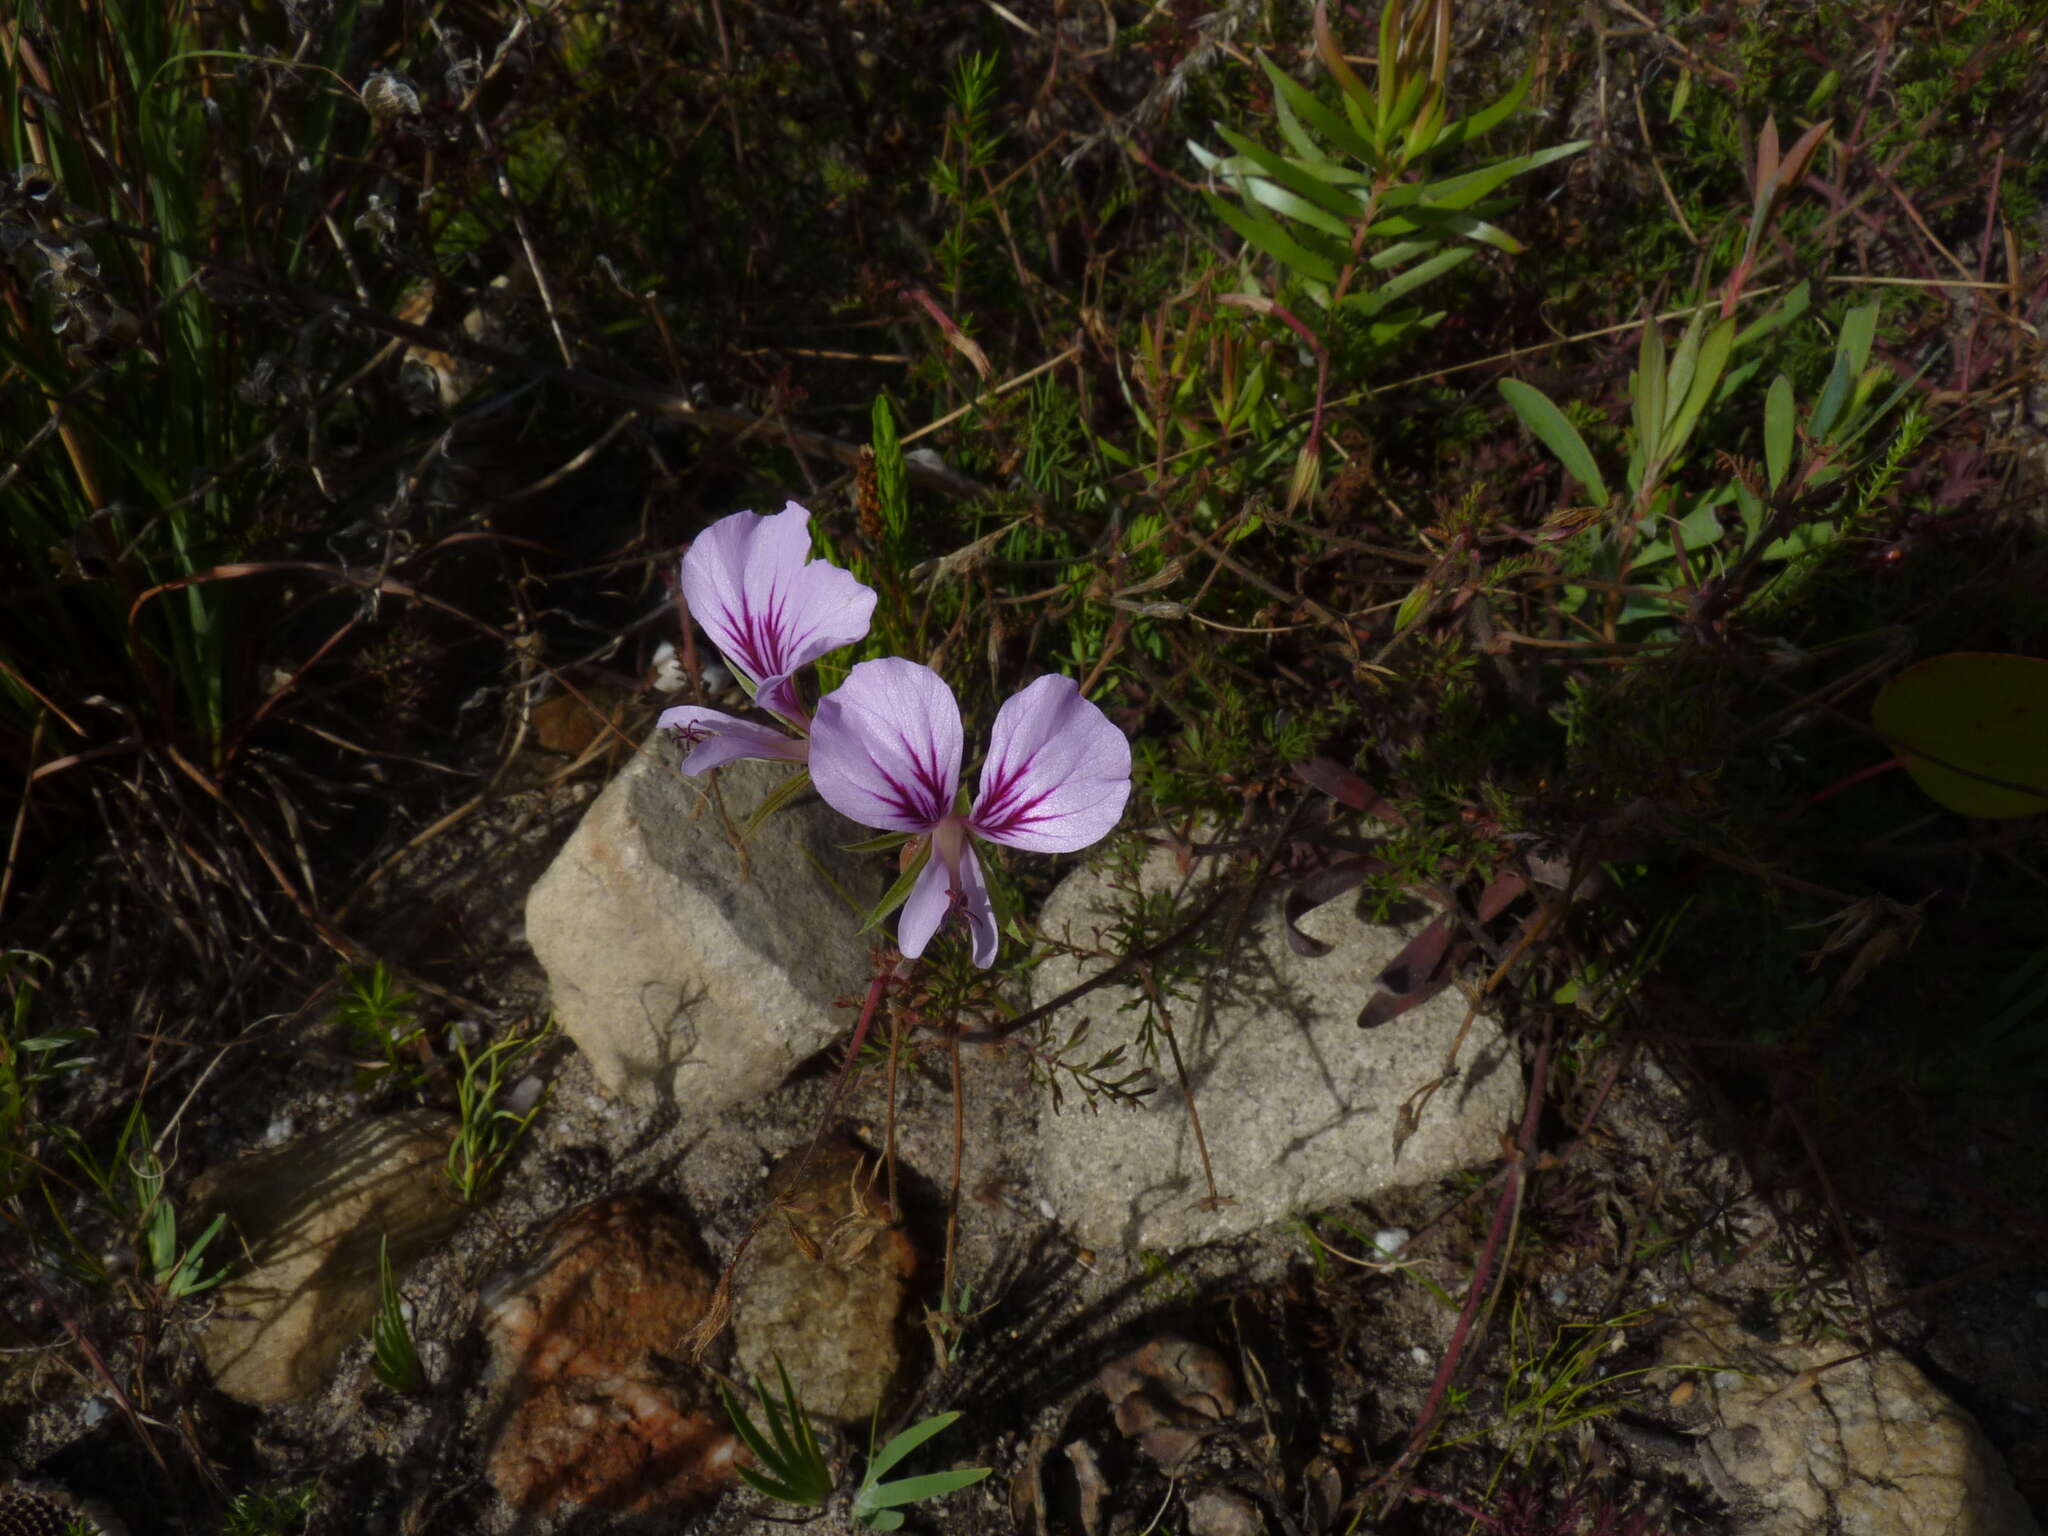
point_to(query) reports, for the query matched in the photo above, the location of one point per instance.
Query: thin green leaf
(1340, 205)
(1713, 357)
(1271, 240)
(1442, 223)
(931, 1485)
(881, 843)
(1357, 95)
(1778, 430)
(1678, 378)
(1291, 94)
(1466, 129)
(1406, 105)
(1648, 393)
(1325, 234)
(909, 1440)
(1833, 396)
(1551, 428)
(1422, 272)
(1778, 316)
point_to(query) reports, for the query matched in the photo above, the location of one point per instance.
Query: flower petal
(976, 907)
(926, 906)
(885, 747)
(935, 896)
(721, 738)
(768, 607)
(1058, 772)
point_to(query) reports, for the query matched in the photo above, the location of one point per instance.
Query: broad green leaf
(1556, 433)
(1859, 329)
(1713, 357)
(1803, 540)
(1962, 720)
(1778, 430)
(1699, 528)
(1271, 240)
(1752, 513)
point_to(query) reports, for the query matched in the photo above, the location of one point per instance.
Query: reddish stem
(1857, 778)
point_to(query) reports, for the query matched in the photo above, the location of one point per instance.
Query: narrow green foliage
(877, 1504)
(788, 1464)
(395, 1360)
(486, 1132)
(381, 1020)
(892, 489)
(272, 1512)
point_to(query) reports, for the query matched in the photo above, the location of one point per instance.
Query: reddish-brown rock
(600, 1405)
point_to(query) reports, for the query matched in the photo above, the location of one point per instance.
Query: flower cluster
(884, 749)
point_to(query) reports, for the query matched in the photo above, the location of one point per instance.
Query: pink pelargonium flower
(885, 752)
(770, 609)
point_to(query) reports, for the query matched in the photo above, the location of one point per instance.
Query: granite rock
(1298, 1105)
(309, 1218)
(1816, 1438)
(694, 974)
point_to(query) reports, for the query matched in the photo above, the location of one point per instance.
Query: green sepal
(897, 894)
(880, 844)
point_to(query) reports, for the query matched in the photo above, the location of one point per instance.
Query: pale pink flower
(770, 609)
(885, 752)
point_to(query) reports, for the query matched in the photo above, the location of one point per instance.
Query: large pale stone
(308, 1219)
(1297, 1103)
(692, 974)
(1813, 1438)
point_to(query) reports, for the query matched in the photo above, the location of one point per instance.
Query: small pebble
(95, 1409)
(1727, 1381)
(1420, 1355)
(1391, 1240)
(524, 1095)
